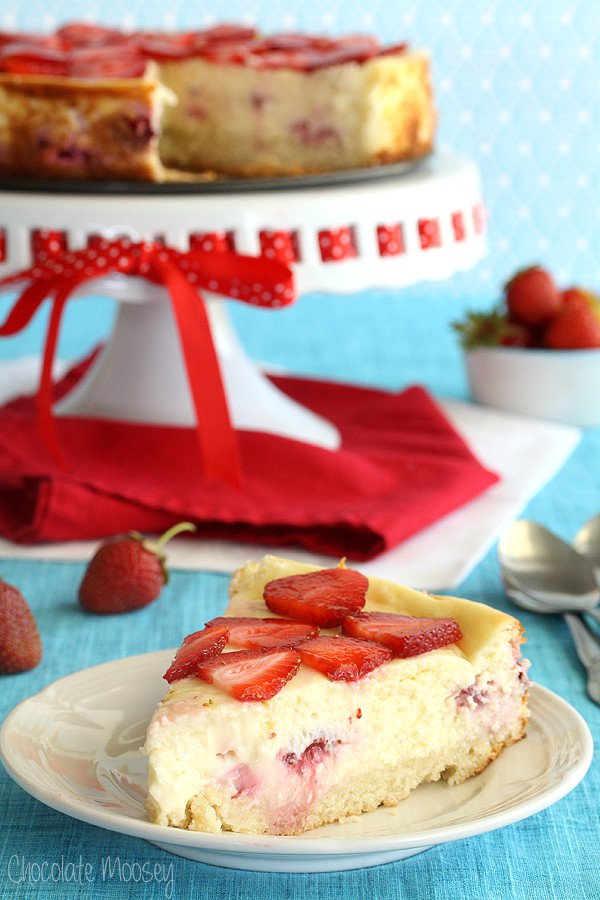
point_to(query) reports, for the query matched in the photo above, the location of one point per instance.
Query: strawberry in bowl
(537, 352)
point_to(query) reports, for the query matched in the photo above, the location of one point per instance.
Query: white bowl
(559, 385)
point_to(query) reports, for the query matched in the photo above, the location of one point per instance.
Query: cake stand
(382, 228)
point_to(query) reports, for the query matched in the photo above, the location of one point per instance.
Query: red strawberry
(262, 634)
(322, 597)
(251, 674)
(110, 61)
(29, 59)
(405, 635)
(20, 644)
(126, 572)
(532, 297)
(80, 34)
(195, 649)
(343, 658)
(576, 327)
(577, 296)
(166, 46)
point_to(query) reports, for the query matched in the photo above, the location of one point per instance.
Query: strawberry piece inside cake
(266, 736)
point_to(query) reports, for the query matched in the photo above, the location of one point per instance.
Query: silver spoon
(587, 542)
(529, 556)
(586, 643)
(547, 569)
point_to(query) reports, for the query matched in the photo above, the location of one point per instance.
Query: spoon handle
(593, 613)
(587, 646)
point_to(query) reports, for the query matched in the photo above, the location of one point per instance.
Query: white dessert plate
(76, 747)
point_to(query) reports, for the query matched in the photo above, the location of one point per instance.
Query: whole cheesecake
(91, 102)
(322, 694)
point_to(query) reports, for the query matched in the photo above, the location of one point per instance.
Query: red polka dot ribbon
(390, 240)
(429, 234)
(336, 244)
(212, 241)
(255, 280)
(281, 245)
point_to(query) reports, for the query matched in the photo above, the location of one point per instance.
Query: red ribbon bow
(253, 280)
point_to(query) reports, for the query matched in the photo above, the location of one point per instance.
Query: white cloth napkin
(525, 453)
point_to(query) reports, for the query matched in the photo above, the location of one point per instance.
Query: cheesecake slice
(319, 696)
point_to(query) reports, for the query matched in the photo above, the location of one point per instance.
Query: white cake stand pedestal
(349, 233)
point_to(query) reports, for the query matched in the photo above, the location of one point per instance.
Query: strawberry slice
(343, 658)
(251, 675)
(118, 61)
(405, 635)
(31, 40)
(322, 598)
(32, 59)
(197, 648)
(228, 32)
(167, 46)
(262, 634)
(82, 34)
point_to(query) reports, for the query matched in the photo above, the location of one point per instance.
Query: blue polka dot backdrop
(516, 90)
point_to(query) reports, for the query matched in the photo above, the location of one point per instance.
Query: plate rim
(229, 843)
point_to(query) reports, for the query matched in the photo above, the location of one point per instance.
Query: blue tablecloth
(553, 855)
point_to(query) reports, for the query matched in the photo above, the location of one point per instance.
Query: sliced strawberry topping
(262, 634)
(81, 34)
(116, 61)
(251, 674)
(289, 41)
(197, 648)
(405, 635)
(228, 32)
(32, 59)
(322, 598)
(232, 52)
(343, 658)
(395, 49)
(32, 40)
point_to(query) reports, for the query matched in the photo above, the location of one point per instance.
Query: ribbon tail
(24, 309)
(216, 435)
(46, 421)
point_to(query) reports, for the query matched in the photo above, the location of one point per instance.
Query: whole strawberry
(20, 643)
(127, 572)
(578, 296)
(577, 327)
(532, 297)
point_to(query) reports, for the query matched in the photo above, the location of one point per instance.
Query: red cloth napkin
(401, 467)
